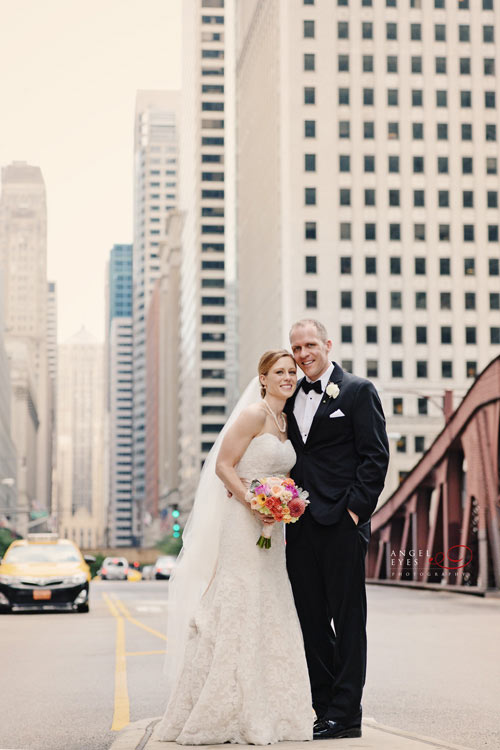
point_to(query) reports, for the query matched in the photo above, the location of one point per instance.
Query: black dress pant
(326, 566)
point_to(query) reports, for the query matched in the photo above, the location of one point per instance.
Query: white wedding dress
(244, 677)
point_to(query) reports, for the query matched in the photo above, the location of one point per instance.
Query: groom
(337, 427)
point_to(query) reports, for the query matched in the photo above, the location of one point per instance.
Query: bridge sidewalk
(140, 735)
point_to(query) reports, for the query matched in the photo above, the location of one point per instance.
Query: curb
(137, 736)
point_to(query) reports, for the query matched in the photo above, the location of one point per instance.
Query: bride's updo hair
(267, 360)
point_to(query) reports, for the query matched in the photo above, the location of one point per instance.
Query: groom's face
(310, 352)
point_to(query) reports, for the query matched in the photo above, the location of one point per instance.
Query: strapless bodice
(266, 456)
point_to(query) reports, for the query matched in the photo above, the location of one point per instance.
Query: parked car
(114, 569)
(148, 572)
(44, 572)
(164, 566)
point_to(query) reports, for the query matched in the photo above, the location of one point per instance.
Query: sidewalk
(140, 735)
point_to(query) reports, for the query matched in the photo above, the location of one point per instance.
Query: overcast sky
(69, 71)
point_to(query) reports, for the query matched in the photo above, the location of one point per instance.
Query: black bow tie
(316, 386)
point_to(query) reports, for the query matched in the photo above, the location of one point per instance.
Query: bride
(235, 665)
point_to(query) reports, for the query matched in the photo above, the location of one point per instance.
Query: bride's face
(281, 379)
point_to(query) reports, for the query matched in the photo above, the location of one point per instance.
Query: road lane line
(144, 653)
(123, 609)
(121, 714)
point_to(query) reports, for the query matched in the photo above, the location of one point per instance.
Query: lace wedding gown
(244, 678)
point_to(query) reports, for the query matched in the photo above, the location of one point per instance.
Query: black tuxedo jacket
(344, 460)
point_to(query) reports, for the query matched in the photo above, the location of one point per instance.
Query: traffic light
(176, 528)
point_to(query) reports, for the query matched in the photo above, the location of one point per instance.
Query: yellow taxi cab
(44, 572)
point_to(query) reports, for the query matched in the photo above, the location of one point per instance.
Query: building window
(396, 334)
(395, 265)
(488, 34)
(490, 132)
(397, 368)
(343, 96)
(440, 65)
(343, 30)
(345, 197)
(371, 265)
(371, 300)
(417, 131)
(421, 368)
(309, 128)
(393, 163)
(444, 266)
(392, 97)
(310, 196)
(421, 334)
(371, 368)
(489, 66)
(394, 232)
(309, 95)
(468, 199)
(466, 99)
(344, 129)
(371, 334)
(446, 336)
(396, 301)
(468, 232)
(369, 197)
(442, 165)
(311, 264)
(346, 300)
(310, 230)
(442, 131)
(416, 31)
(418, 198)
(495, 335)
(470, 369)
(419, 232)
(421, 300)
(344, 163)
(419, 444)
(469, 266)
(369, 163)
(444, 232)
(420, 266)
(494, 301)
(422, 406)
(370, 231)
(493, 266)
(367, 30)
(416, 64)
(367, 63)
(392, 64)
(392, 30)
(445, 300)
(310, 162)
(346, 334)
(443, 198)
(345, 264)
(470, 334)
(417, 98)
(345, 230)
(440, 32)
(466, 131)
(393, 131)
(394, 198)
(347, 365)
(309, 61)
(368, 97)
(446, 368)
(492, 232)
(311, 298)
(491, 165)
(418, 164)
(308, 29)
(470, 300)
(369, 130)
(397, 406)
(343, 63)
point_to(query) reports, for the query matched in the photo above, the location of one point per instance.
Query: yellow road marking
(123, 609)
(121, 714)
(144, 653)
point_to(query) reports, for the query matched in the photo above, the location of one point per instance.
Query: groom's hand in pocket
(354, 517)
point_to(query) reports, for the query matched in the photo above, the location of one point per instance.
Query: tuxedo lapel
(292, 422)
(336, 377)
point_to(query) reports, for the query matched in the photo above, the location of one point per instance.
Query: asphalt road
(70, 681)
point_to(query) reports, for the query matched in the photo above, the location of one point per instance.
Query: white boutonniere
(332, 390)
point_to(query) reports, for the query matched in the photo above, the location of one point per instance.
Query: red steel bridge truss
(441, 527)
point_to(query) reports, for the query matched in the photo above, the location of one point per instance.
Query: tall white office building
(119, 357)
(207, 200)
(155, 194)
(368, 192)
(81, 507)
(23, 260)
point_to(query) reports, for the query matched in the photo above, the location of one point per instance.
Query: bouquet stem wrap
(264, 540)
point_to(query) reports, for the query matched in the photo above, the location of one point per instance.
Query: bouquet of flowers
(278, 497)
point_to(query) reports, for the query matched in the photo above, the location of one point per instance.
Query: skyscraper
(207, 200)
(368, 192)
(23, 258)
(81, 511)
(119, 400)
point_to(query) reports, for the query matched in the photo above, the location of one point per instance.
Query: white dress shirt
(306, 404)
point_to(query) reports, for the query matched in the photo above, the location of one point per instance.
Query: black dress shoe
(328, 729)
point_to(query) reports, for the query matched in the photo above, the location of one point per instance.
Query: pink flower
(296, 507)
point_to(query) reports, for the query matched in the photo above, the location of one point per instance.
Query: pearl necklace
(281, 429)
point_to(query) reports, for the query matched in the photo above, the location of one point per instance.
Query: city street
(70, 681)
